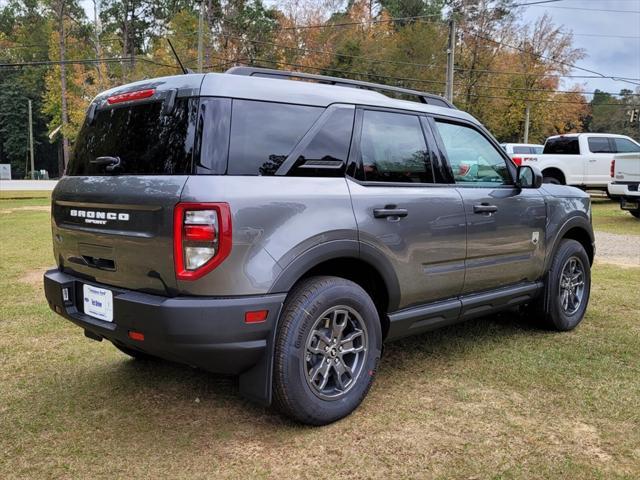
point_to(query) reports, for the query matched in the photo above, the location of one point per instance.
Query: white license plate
(98, 302)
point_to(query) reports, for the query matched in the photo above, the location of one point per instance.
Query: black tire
(304, 327)
(135, 354)
(552, 180)
(549, 309)
(635, 213)
(615, 198)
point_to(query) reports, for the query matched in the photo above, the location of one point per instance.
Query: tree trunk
(63, 89)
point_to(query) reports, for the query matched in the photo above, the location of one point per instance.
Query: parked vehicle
(625, 174)
(282, 230)
(519, 150)
(581, 159)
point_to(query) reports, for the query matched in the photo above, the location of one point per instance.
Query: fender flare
(580, 222)
(257, 382)
(335, 249)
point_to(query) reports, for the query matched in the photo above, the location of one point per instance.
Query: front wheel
(552, 180)
(635, 213)
(327, 348)
(567, 289)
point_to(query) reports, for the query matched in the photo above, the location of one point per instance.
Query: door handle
(484, 208)
(390, 211)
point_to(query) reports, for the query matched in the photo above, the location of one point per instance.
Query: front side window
(599, 145)
(264, 133)
(624, 145)
(393, 148)
(472, 157)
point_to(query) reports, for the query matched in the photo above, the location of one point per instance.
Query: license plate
(627, 205)
(98, 302)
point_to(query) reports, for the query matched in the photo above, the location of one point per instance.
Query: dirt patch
(33, 277)
(618, 249)
(32, 208)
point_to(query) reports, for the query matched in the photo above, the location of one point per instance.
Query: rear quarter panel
(275, 220)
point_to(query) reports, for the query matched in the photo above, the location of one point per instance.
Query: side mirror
(529, 176)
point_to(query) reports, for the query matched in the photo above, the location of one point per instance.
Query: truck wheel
(327, 349)
(635, 213)
(552, 180)
(566, 293)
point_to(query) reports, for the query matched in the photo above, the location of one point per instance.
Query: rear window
(522, 150)
(146, 141)
(562, 146)
(263, 134)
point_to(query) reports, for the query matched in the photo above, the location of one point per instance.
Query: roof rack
(423, 97)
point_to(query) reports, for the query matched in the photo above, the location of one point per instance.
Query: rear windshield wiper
(111, 162)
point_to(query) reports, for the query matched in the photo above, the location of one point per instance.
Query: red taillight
(463, 169)
(517, 160)
(201, 238)
(137, 336)
(257, 316)
(199, 233)
(613, 168)
(130, 96)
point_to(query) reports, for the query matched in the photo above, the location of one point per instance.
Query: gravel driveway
(618, 249)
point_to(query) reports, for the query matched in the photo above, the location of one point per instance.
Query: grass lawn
(609, 217)
(491, 398)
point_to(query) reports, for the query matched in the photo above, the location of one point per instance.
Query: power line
(539, 55)
(387, 77)
(590, 9)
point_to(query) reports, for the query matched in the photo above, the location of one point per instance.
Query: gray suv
(281, 226)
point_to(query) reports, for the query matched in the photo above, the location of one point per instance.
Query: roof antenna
(184, 70)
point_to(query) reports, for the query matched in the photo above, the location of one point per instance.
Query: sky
(597, 31)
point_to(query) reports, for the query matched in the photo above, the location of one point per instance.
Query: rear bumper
(624, 190)
(206, 332)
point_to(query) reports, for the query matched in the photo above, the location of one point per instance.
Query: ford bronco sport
(280, 226)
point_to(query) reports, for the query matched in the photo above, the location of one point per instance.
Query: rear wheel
(327, 348)
(566, 294)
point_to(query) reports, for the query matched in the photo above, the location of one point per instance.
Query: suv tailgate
(117, 230)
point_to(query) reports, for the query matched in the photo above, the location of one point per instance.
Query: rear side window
(327, 152)
(393, 148)
(562, 146)
(624, 145)
(146, 141)
(264, 133)
(600, 145)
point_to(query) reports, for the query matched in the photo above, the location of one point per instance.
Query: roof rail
(423, 97)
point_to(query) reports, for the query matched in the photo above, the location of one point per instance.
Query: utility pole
(31, 141)
(450, 58)
(200, 28)
(526, 123)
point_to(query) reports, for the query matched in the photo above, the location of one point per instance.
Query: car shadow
(156, 391)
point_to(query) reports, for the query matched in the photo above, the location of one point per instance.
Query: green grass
(609, 217)
(491, 398)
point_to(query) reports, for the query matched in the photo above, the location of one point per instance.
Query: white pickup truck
(625, 173)
(580, 159)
